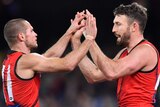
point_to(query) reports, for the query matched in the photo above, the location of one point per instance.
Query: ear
(21, 37)
(134, 26)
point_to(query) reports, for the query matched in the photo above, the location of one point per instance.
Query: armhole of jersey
(36, 101)
(156, 66)
(17, 74)
(122, 53)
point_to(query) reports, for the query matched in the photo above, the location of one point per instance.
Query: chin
(118, 42)
(34, 47)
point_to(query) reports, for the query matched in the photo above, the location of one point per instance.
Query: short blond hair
(12, 28)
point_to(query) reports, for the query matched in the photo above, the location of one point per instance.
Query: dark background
(50, 19)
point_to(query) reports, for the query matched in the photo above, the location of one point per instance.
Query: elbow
(70, 66)
(93, 80)
(111, 76)
(90, 81)
(70, 63)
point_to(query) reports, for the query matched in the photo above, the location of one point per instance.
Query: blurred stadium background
(50, 19)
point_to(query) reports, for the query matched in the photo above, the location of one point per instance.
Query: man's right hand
(90, 27)
(76, 23)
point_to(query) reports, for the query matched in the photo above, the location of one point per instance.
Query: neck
(134, 41)
(21, 48)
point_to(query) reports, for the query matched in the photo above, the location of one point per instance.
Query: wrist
(69, 33)
(73, 38)
(89, 37)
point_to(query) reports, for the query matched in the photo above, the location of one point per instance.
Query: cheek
(122, 30)
(29, 39)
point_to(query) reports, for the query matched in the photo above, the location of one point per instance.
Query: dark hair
(134, 12)
(11, 30)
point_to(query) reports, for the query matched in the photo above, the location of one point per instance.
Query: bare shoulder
(25, 65)
(146, 55)
(29, 60)
(145, 49)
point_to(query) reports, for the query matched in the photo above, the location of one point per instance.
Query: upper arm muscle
(141, 58)
(39, 63)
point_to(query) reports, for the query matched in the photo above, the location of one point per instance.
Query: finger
(83, 22)
(90, 20)
(94, 21)
(78, 20)
(87, 11)
(79, 14)
(82, 13)
(80, 31)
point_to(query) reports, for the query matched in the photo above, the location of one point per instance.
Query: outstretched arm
(31, 63)
(39, 63)
(139, 59)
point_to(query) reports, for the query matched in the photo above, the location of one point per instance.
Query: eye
(118, 24)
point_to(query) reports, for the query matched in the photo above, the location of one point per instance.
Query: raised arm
(59, 47)
(31, 63)
(90, 71)
(142, 58)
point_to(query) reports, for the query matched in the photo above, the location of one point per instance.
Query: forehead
(120, 19)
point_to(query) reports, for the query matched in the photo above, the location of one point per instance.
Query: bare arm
(90, 71)
(142, 58)
(31, 63)
(59, 47)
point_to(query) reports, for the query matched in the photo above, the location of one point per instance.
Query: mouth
(118, 36)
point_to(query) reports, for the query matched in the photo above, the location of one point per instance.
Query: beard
(124, 39)
(31, 46)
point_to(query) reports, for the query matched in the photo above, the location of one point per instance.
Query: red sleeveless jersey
(138, 89)
(23, 92)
